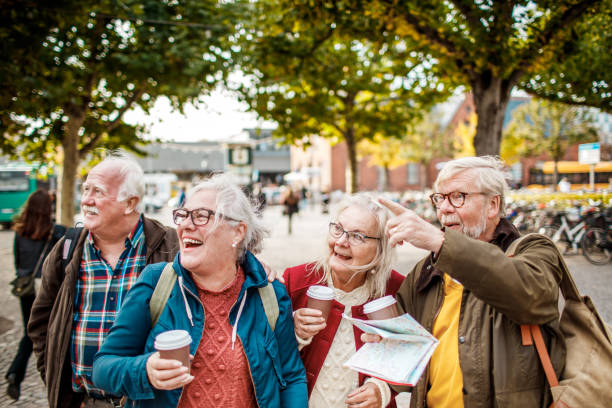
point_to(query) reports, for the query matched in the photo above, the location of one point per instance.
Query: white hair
(378, 270)
(232, 202)
(132, 177)
(490, 176)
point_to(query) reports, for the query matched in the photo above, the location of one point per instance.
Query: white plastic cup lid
(320, 292)
(172, 340)
(378, 304)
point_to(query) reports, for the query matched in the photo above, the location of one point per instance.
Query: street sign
(589, 153)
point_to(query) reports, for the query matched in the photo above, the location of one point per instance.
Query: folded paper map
(400, 357)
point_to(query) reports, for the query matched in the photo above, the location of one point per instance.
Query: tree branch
(469, 13)
(128, 104)
(568, 99)
(551, 31)
(112, 124)
(423, 28)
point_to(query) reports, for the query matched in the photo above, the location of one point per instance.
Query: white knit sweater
(335, 381)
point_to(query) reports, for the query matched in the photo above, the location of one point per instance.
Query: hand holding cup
(168, 368)
(310, 320)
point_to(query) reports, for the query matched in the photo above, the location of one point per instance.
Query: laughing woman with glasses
(239, 360)
(357, 266)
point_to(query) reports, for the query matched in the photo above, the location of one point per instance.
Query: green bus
(17, 182)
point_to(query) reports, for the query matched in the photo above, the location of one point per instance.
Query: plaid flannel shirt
(100, 291)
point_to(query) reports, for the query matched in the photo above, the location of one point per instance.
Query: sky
(220, 117)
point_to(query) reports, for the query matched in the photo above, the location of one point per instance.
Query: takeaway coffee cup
(381, 308)
(174, 345)
(320, 297)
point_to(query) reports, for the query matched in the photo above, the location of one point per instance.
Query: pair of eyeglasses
(455, 198)
(354, 238)
(199, 216)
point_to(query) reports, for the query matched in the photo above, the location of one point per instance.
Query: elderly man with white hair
(474, 298)
(80, 296)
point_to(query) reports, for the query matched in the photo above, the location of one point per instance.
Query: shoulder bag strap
(161, 293)
(531, 333)
(270, 304)
(568, 286)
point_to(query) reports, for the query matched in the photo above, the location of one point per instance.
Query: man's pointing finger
(395, 208)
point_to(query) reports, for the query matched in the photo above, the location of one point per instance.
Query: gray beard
(474, 231)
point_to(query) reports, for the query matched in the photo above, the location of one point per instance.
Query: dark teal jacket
(276, 368)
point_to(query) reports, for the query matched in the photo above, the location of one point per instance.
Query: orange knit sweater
(222, 376)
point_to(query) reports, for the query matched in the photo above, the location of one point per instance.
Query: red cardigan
(297, 280)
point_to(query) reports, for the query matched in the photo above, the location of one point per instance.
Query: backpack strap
(270, 304)
(166, 282)
(161, 293)
(70, 241)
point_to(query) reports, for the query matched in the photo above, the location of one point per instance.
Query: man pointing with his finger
(473, 298)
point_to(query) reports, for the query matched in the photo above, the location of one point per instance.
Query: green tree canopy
(315, 80)
(581, 74)
(99, 60)
(488, 46)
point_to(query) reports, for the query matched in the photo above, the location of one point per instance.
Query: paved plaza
(281, 250)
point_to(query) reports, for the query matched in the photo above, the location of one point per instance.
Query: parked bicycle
(597, 242)
(567, 229)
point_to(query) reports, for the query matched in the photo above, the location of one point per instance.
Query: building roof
(183, 157)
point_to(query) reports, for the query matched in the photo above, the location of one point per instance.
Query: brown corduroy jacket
(50, 324)
(500, 293)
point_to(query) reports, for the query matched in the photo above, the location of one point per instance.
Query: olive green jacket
(500, 293)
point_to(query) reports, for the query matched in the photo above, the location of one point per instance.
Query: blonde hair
(378, 270)
(490, 177)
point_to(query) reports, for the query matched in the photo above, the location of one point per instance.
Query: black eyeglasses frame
(190, 215)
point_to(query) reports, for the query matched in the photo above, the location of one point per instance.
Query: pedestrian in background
(181, 199)
(291, 202)
(35, 235)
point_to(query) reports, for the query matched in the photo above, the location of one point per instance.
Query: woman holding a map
(357, 267)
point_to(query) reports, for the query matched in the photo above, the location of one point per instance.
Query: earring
(234, 245)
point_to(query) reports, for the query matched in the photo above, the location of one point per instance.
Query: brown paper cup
(180, 354)
(174, 345)
(381, 309)
(320, 298)
(322, 305)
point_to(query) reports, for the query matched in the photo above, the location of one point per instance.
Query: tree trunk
(556, 176)
(71, 160)
(491, 96)
(349, 137)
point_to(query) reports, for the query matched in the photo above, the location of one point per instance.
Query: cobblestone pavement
(281, 250)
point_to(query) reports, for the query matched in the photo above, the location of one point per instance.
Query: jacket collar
(254, 273)
(154, 233)
(503, 236)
